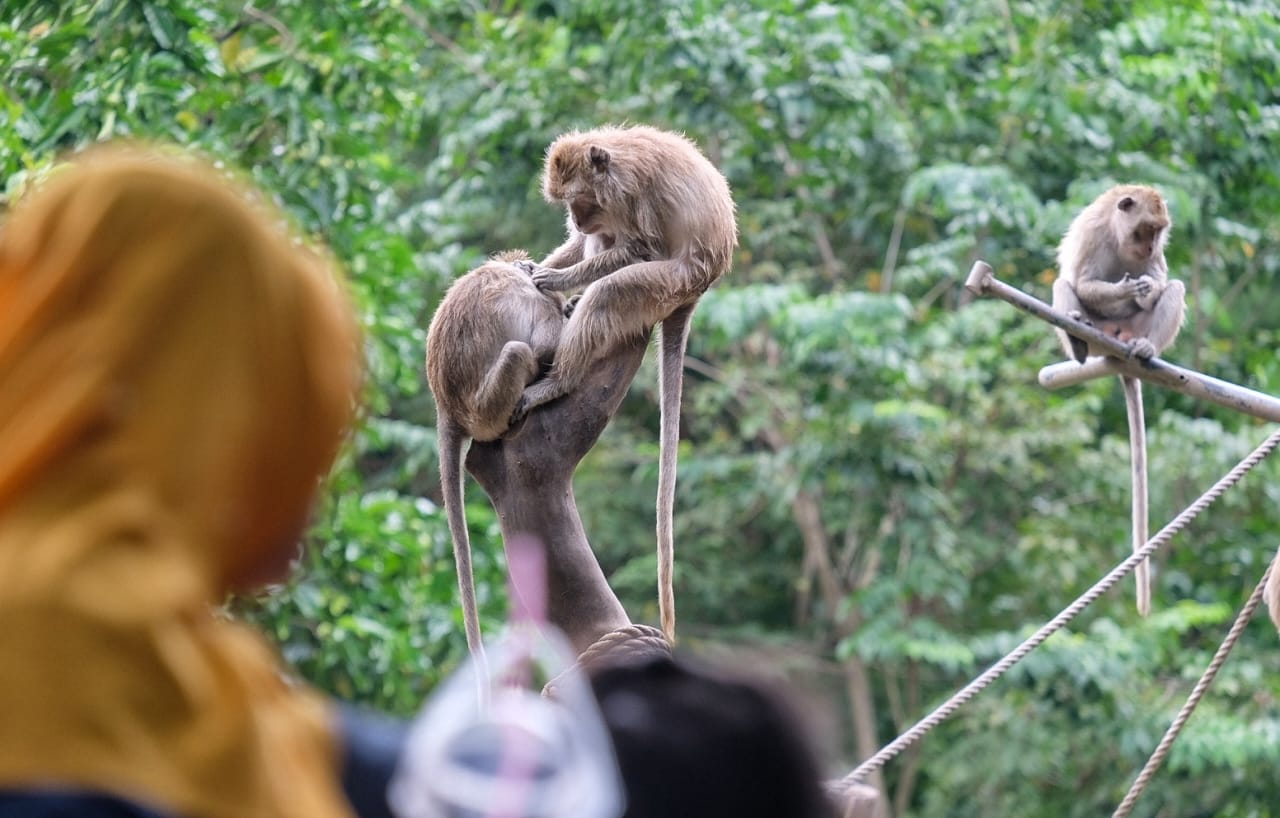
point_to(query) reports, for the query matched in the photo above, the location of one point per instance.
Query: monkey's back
(483, 310)
(680, 204)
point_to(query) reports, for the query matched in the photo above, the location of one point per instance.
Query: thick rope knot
(632, 643)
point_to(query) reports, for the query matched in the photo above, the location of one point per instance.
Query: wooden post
(1120, 360)
(529, 477)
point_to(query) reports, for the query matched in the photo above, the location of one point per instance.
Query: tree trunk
(529, 477)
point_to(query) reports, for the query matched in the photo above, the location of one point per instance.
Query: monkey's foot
(571, 305)
(527, 403)
(538, 393)
(519, 413)
(1142, 348)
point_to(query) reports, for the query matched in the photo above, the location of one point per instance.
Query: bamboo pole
(1120, 360)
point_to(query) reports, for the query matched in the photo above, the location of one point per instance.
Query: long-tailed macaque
(647, 199)
(491, 335)
(1271, 594)
(1112, 273)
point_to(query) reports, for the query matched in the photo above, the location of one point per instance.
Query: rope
(950, 706)
(1219, 658)
(625, 644)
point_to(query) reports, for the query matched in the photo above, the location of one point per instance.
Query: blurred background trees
(876, 499)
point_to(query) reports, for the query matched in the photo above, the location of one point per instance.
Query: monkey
(1112, 273)
(651, 226)
(492, 334)
(1271, 594)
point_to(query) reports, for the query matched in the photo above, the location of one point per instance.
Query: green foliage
(869, 469)
(371, 611)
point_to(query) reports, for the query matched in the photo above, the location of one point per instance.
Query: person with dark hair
(695, 741)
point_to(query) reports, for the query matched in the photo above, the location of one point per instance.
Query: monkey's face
(1144, 241)
(1140, 239)
(588, 216)
(584, 209)
(575, 173)
(1140, 224)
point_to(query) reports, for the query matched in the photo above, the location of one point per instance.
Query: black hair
(695, 741)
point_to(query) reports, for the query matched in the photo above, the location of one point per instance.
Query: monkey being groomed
(491, 336)
(647, 204)
(1112, 274)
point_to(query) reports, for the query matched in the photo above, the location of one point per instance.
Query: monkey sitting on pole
(1271, 594)
(491, 335)
(650, 200)
(1112, 273)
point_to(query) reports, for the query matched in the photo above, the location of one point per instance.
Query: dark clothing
(372, 746)
(69, 805)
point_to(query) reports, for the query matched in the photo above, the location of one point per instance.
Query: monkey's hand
(546, 279)
(555, 281)
(1139, 287)
(526, 266)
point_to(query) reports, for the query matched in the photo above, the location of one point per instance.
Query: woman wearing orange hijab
(176, 375)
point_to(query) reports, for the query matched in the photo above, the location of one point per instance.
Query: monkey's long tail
(1138, 469)
(675, 337)
(450, 452)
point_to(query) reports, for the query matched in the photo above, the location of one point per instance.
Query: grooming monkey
(1112, 273)
(648, 202)
(491, 335)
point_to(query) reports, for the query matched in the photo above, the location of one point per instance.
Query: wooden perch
(1119, 360)
(529, 477)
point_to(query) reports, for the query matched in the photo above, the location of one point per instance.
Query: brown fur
(651, 226)
(1112, 273)
(491, 335)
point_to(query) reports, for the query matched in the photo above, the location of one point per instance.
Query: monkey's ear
(1125, 204)
(599, 158)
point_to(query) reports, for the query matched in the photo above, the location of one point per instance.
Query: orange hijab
(176, 374)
